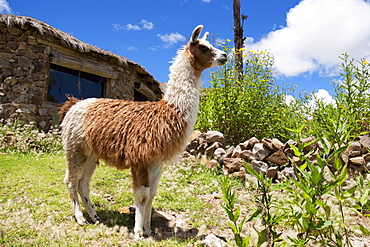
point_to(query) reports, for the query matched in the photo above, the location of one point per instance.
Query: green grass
(35, 207)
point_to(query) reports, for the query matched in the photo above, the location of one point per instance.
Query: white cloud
(4, 7)
(289, 99)
(144, 24)
(132, 27)
(206, 1)
(317, 32)
(324, 96)
(147, 24)
(171, 39)
(117, 27)
(131, 48)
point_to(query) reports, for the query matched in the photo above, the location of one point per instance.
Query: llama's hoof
(97, 219)
(139, 236)
(143, 235)
(81, 221)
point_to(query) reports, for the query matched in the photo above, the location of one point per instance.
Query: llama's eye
(203, 48)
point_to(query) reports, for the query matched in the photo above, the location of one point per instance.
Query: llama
(142, 136)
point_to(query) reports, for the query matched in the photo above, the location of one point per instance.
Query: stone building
(40, 64)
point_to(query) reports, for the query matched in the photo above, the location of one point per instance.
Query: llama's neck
(183, 88)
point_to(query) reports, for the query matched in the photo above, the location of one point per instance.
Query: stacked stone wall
(25, 58)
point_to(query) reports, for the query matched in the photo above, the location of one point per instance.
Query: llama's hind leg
(74, 173)
(83, 187)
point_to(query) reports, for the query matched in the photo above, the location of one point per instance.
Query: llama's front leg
(140, 179)
(155, 172)
(141, 200)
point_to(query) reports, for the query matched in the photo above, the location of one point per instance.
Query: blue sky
(306, 37)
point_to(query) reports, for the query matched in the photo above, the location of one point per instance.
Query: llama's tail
(65, 107)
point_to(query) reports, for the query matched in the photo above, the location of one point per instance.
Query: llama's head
(205, 55)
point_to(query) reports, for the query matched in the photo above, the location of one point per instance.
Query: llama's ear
(196, 33)
(205, 36)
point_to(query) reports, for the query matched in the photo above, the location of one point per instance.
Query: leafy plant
(266, 202)
(229, 198)
(240, 109)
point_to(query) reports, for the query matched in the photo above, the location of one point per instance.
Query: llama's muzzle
(222, 59)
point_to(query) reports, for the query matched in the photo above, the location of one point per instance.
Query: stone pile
(269, 156)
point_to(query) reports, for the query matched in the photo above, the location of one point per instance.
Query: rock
(321, 145)
(201, 138)
(15, 31)
(4, 63)
(312, 158)
(287, 148)
(203, 160)
(311, 146)
(192, 145)
(296, 160)
(202, 148)
(357, 161)
(272, 172)
(288, 172)
(355, 169)
(240, 175)
(194, 135)
(278, 158)
(11, 81)
(231, 165)
(345, 156)
(355, 149)
(212, 240)
(260, 151)
(244, 145)
(13, 45)
(252, 142)
(24, 62)
(211, 149)
(259, 166)
(277, 144)
(268, 143)
(366, 157)
(42, 124)
(236, 152)
(246, 154)
(365, 142)
(229, 152)
(367, 165)
(213, 164)
(215, 136)
(218, 153)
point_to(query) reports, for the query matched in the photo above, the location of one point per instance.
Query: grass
(35, 207)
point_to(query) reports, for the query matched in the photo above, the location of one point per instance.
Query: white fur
(143, 199)
(77, 176)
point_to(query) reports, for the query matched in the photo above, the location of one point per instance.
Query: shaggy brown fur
(134, 133)
(65, 107)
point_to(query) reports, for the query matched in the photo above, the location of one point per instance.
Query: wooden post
(238, 39)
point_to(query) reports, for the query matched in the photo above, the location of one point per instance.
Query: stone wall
(270, 156)
(28, 47)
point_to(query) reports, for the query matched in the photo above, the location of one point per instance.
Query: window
(76, 83)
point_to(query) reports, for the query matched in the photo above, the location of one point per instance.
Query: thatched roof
(44, 29)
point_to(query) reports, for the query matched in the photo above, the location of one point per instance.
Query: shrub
(254, 106)
(18, 137)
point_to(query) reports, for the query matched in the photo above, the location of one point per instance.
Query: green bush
(254, 106)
